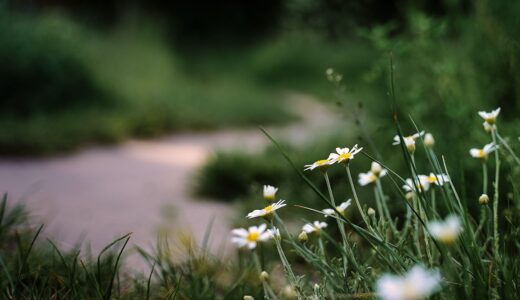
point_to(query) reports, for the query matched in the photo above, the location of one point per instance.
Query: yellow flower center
(490, 120)
(447, 238)
(253, 236)
(268, 209)
(344, 157)
(432, 179)
(482, 153)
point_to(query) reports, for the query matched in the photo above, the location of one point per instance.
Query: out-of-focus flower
(429, 141)
(376, 172)
(248, 298)
(483, 199)
(321, 164)
(421, 185)
(341, 209)
(445, 231)
(418, 283)
(409, 141)
(275, 233)
(264, 276)
(333, 76)
(270, 192)
(344, 155)
(250, 237)
(484, 152)
(371, 211)
(438, 179)
(267, 211)
(490, 117)
(289, 293)
(316, 227)
(489, 127)
(303, 237)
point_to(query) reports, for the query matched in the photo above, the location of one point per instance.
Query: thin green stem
(379, 191)
(508, 148)
(340, 227)
(495, 200)
(484, 178)
(363, 215)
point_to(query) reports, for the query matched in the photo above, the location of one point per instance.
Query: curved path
(141, 187)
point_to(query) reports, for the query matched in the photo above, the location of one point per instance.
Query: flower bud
(409, 196)
(371, 211)
(376, 168)
(483, 199)
(248, 298)
(410, 147)
(289, 292)
(264, 276)
(303, 237)
(429, 141)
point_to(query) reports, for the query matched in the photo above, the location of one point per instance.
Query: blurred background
(178, 88)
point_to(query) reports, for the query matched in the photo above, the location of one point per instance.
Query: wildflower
(341, 209)
(417, 284)
(483, 199)
(264, 276)
(484, 152)
(270, 192)
(275, 233)
(376, 172)
(445, 231)
(344, 155)
(251, 236)
(289, 293)
(333, 76)
(438, 179)
(314, 227)
(488, 127)
(248, 298)
(490, 117)
(303, 237)
(371, 211)
(322, 164)
(422, 185)
(429, 141)
(267, 211)
(409, 141)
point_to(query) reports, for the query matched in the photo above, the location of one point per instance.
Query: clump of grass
(437, 245)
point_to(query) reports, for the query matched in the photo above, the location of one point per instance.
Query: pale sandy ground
(141, 187)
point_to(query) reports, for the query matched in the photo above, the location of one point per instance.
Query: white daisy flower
(484, 152)
(409, 141)
(341, 208)
(266, 211)
(422, 185)
(275, 233)
(314, 227)
(445, 231)
(320, 164)
(489, 127)
(344, 155)
(418, 283)
(270, 192)
(490, 117)
(376, 171)
(438, 179)
(250, 237)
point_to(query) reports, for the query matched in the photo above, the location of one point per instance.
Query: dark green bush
(41, 69)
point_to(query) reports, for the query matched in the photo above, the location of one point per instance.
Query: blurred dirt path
(102, 193)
